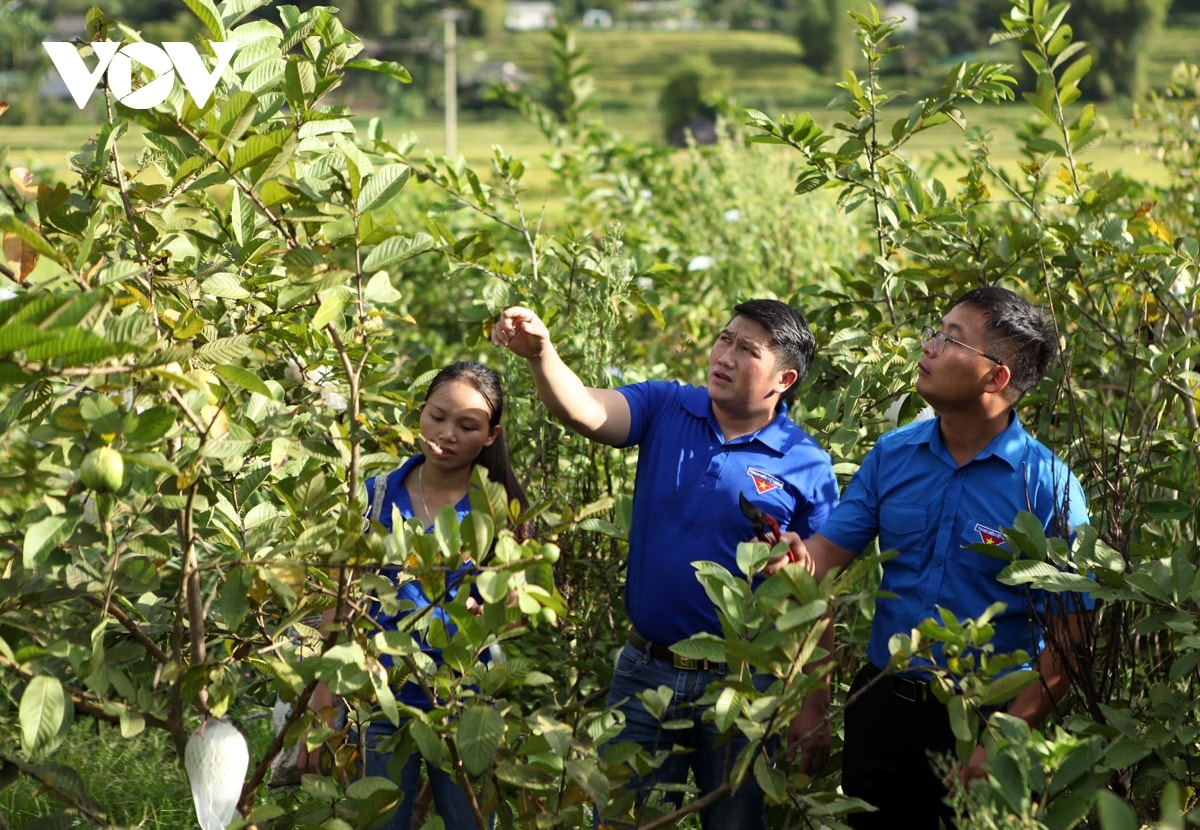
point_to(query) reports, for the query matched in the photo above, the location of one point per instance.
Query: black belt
(905, 687)
(678, 661)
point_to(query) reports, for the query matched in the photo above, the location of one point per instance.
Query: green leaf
(237, 113)
(593, 781)
(1048, 145)
(1045, 576)
(121, 271)
(426, 740)
(702, 646)
(191, 167)
(244, 378)
(253, 150)
(1067, 53)
(379, 290)
(1114, 813)
(807, 612)
(149, 426)
(331, 126)
(226, 286)
(727, 708)
(43, 711)
(1027, 536)
(43, 537)
(189, 325)
(343, 668)
(274, 193)
(492, 586)
(299, 83)
(1124, 752)
(477, 532)
(379, 189)
(331, 307)
(395, 249)
(383, 693)
(962, 719)
(207, 14)
(389, 68)
(1075, 72)
(771, 778)
(1079, 762)
(64, 780)
(1059, 40)
(132, 724)
(17, 336)
(479, 732)
(225, 350)
(1005, 687)
(73, 347)
(448, 532)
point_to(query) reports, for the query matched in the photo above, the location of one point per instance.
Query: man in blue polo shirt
(699, 448)
(929, 490)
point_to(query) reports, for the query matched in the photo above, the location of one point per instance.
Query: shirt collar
(1008, 446)
(777, 435)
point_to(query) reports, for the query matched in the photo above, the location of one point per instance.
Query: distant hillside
(631, 66)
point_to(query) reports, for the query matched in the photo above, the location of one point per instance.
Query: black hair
(1018, 332)
(792, 340)
(494, 458)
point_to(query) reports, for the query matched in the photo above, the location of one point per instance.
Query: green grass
(139, 781)
(150, 790)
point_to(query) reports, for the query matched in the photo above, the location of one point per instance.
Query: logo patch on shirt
(763, 482)
(989, 536)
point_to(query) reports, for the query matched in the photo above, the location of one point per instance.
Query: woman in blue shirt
(459, 429)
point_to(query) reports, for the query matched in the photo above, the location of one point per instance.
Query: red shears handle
(766, 526)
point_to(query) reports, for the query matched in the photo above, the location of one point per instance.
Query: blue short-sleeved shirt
(685, 503)
(395, 495)
(912, 495)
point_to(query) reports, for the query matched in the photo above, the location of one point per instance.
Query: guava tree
(199, 365)
(1116, 262)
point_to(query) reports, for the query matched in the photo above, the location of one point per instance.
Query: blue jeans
(709, 754)
(449, 800)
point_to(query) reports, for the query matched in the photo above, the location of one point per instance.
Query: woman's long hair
(494, 458)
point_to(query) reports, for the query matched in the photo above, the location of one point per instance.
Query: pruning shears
(766, 526)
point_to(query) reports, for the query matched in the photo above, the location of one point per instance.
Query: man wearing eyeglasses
(929, 491)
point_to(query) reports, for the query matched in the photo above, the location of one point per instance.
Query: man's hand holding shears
(766, 529)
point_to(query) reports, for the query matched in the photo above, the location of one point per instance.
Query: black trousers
(886, 757)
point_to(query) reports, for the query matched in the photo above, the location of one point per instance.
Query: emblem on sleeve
(763, 482)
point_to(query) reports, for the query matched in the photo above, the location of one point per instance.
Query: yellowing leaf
(22, 179)
(1160, 230)
(21, 257)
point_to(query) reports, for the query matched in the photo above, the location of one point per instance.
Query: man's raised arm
(598, 414)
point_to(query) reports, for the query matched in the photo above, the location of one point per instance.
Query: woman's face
(455, 425)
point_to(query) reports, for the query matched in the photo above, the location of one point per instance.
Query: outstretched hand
(521, 331)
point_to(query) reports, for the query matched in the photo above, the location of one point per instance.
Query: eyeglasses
(940, 339)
